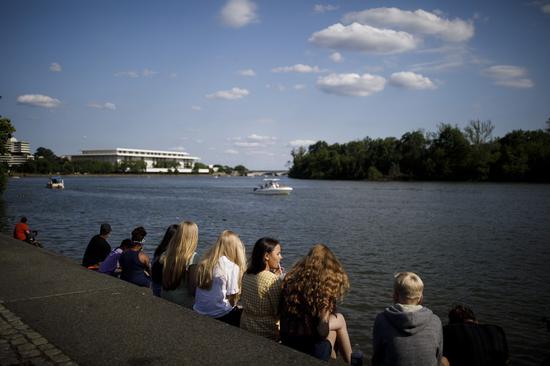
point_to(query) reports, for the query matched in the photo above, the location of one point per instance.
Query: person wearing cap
(98, 248)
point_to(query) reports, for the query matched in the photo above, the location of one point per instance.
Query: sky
(246, 81)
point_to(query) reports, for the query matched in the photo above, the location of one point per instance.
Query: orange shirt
(21, 230)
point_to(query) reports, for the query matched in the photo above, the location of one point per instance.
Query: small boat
(272, 187)
(55, 183)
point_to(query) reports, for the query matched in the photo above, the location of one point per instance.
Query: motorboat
(272, 187)
(55, 183)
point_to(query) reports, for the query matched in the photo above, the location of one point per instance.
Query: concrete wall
(99, 320)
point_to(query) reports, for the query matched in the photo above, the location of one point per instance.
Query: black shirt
(98, 249)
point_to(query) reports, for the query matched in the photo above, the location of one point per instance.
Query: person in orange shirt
(21, 229)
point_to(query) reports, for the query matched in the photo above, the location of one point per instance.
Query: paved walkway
(21, 345)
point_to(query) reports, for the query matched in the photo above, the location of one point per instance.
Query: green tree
(241, 169)
(450, 152)
(6, 131)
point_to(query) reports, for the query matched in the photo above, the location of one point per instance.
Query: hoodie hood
(406, 321)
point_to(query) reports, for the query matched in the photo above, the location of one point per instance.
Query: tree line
(449, 154)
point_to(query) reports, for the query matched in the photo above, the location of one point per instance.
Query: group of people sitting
(297, 308)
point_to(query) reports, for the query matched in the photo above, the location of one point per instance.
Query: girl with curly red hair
(309, 320)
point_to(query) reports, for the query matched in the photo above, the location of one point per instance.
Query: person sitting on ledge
(110, 265)
(310, 322)
(262, 289)
(98, 248)
(179, 262)
(134, 262)
(21, 230)
(407, 333)
(468, 343)
(219, 276)
(157, 267)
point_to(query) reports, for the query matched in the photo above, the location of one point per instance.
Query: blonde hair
(180, 250)
(407, 286)
(315, 284)
(228, 244)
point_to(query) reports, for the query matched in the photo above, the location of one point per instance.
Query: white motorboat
(272, 187)
(56, 183)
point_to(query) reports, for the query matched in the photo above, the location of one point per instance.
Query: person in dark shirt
(98, 249)
(468, 343)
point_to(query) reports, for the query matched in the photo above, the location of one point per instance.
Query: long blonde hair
(315, 284)
(180, 250)
(229, 245)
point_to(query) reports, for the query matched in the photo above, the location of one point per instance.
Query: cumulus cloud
(418, 21)
(136, 74)
(231, 152)
(197, 108)
(267, 139)
(55, 67)
(351, 84)
(232, 94)
(509, 76)
(129, 74)
(320, 8)
(106, 105)
(298, 143)
(247, 72)
(364, 38)
(299, 68)
(38, 100)
(411, 80)
(545, 8)
(253, 141)
(336, 57)
(299, 87)
(238, 13)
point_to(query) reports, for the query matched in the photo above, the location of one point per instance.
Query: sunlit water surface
(487, 245)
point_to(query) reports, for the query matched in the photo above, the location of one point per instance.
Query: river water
(486, 245)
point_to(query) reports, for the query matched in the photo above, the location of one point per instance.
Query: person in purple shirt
(110, 265)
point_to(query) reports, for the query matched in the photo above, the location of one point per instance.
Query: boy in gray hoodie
(407, 333)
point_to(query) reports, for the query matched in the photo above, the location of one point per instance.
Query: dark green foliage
(241, 169)
(6, 131)
(448, 154)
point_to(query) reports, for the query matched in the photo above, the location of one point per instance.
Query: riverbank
(95, 319)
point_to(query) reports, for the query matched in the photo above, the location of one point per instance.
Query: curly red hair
(315, 284)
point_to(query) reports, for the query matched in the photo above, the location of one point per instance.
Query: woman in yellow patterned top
(261, 289)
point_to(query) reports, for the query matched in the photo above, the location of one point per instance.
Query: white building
(154, 159)
(18, 152)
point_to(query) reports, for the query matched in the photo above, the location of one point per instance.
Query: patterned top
(260, 301)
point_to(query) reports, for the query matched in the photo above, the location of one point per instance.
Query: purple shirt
(110, 264)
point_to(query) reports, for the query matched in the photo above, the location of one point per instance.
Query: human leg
(338, 336)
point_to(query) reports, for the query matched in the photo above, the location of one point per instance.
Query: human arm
(144, 259)
(192, 279)
(233, 281)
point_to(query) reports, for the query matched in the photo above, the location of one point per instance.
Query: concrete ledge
(99, 320)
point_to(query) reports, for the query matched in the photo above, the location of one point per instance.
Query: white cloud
(298, 143)
(106, 105)
(411, 80)
(358, 37)
(247, 72)
(238, 13)
(129, 74)
(232, 94)
(545, 8)
(197, 108)
(267, 139)
(299, 87)
(231, 152)
(320, 8)
(508, 76)
(299, 68)
(178, 148)
(336, 57)
(147, 72)
(38, 100)
(351, 84)
(55, 67)
(247, 144)
(419, 21)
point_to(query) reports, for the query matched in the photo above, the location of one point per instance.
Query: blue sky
(243, 82)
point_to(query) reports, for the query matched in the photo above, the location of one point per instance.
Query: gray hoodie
(407, 336)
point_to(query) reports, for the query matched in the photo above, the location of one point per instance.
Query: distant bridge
(269, 173)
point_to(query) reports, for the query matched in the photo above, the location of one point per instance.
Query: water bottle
(357, 358)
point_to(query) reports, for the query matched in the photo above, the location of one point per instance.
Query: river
(486, 245)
